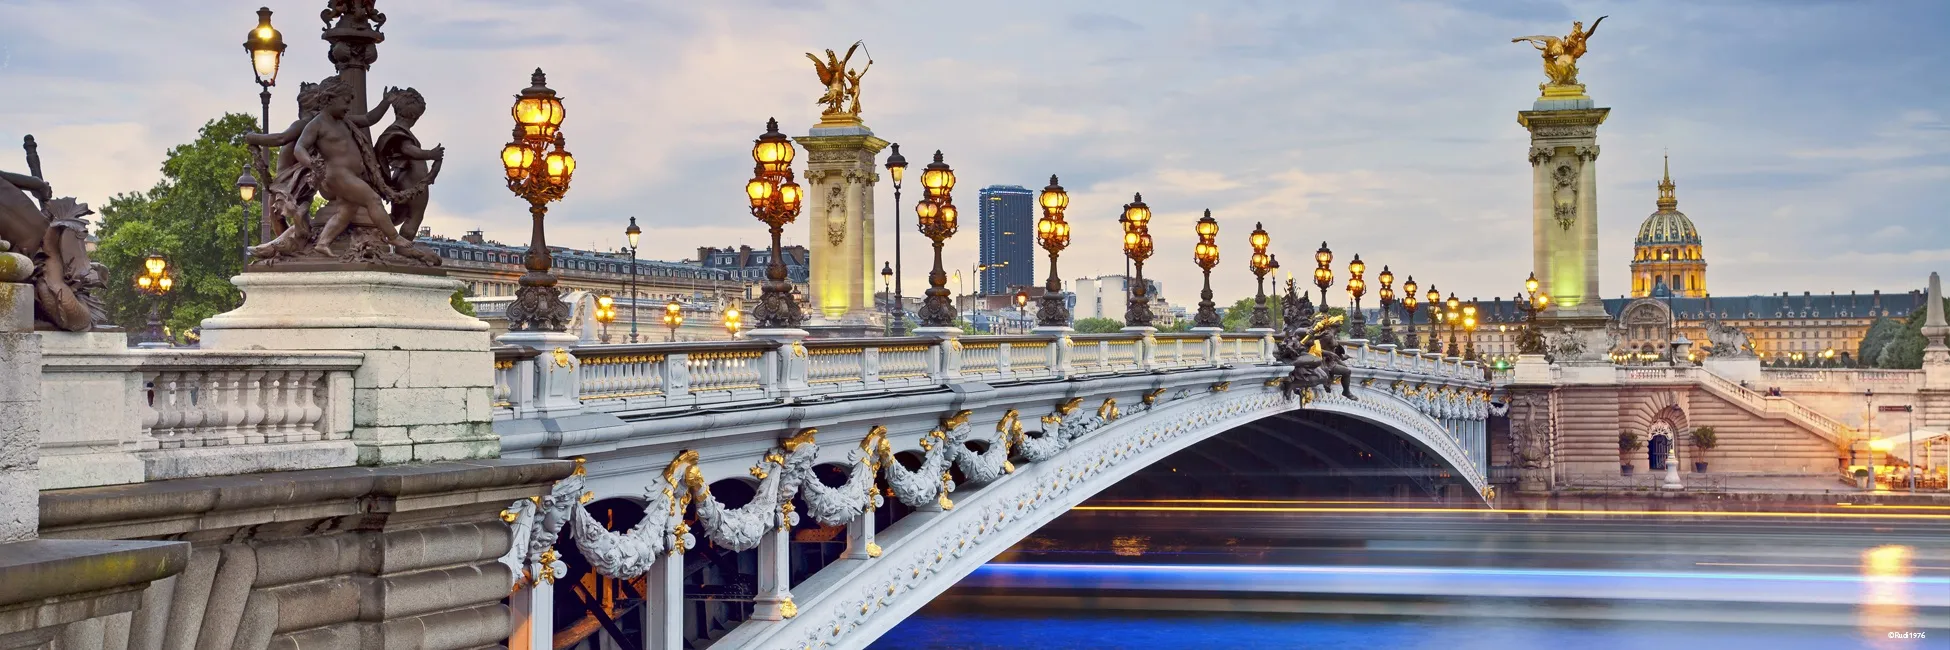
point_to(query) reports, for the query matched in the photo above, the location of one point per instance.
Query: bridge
(972, 442)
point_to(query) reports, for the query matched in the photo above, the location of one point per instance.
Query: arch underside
(851, 602)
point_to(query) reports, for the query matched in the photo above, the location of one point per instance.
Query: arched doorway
(1658, 445)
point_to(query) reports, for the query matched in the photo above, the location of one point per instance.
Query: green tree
(459, 300)
(1240, 315)
(1178, 326)
(1878, 337)
(194, 218)
(1098, 326)
(1905, 348)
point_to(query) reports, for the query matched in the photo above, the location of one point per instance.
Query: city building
(1669, 297)
(1106, 296)
(1008, 229)
(747, 265)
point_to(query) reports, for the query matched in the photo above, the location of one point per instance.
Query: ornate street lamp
(673, 317)
(266, 47)
(1450, 316)
(1387, 296)
(1206, 255)
(1357, 286)
(1261, 263)
(886, 289)
(775, 201)
(936, 216)
(733, 320)
(1409, 304)
(1469, 329)
(605, 313)
(539, 167)
(247, 190)
(897, 168)
(1435, 316)
(1022, 302)
(1137, 248)
(155, 281)
(634, 233)
(1054, 235)
(1323, 272)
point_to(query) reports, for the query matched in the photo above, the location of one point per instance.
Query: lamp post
(1054, 235)
(1022, 304)
(1137, 248)
(246, 190)
(605, 314)
(1206, 255)
(1469, 329)
(897, 168)
(539, 167)
(1452, 313)
(775, 199)
(733, 320)
(1357, 286)
(886, 280)
(266, 47)
(936, 215)
(633, 233)
(1323, 272)
(673, 317)
(1409, 304)
(154, 281)
(1387, 302)
(1435, 316)
(1261, 263)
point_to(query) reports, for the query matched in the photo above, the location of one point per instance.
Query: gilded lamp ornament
(937, 218)
(775, 200)
(1137, 247)
(539, 167)
(1206, 255)
(1054, 235)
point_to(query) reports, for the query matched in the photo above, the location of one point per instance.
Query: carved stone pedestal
(839, 213)
(425, 390)
(1563, 127)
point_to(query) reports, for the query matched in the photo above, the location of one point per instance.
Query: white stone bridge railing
(664, 377)
(113, 415)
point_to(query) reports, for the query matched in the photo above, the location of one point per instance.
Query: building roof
(1773, 306)
(1667, 225)
(561, 257)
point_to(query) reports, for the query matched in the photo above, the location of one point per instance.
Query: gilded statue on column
(1561, 54)
(842, 96)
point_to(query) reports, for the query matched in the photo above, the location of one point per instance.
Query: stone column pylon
(840, 178)
(1564, 199)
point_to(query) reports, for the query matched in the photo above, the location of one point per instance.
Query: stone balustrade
(1849, 379)
(163, 414)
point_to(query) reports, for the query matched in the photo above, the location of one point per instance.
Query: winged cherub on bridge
(842, 85)
(1561, 54)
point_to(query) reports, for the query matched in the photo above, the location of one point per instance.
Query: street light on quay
(936, 216)
(266, 47)
(1387, 296)
(539, 168)
(1022, 302)
(1054, 235)
(155, 281)
(1261, 264)
(886, 289)
(1409, 304)
(733, 320)
(673, 317)
(605, 314)
(633, 233)
(1206, 255)
(1137, 248)
(246, 190)
(897, 168)
(1356, 287)
(775, 200)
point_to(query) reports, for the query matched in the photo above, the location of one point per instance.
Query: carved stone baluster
(252, 390)
(154, 400)
(310, 423)
(293, 387)
(274, 385)
(228, 410)
(169, 413)
(191, 396)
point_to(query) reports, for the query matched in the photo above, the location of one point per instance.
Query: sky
(1810, 140)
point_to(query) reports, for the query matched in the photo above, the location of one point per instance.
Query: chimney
(474, 237)
(704, 255)
(1878, 300)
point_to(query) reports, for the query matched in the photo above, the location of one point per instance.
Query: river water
(1149, 578)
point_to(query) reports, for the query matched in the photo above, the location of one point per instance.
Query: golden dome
(1667, 225)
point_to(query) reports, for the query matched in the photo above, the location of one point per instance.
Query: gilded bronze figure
(1561, 54)
(842, 95)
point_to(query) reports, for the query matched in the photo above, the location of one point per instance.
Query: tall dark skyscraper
(1008, 235)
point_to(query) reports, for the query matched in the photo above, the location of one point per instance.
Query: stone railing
(163, 414)
(1366, 354)
(1843, 380)
(1657, 374)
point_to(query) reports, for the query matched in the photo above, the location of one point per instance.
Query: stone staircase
(1751, 442)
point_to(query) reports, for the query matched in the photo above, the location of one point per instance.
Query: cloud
(1386, 128)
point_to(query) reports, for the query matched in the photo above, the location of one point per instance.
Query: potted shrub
(1704, 439)
(1628, 442)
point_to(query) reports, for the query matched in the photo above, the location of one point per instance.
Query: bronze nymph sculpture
(53, 234)
(1561, 54)
(842, 96)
